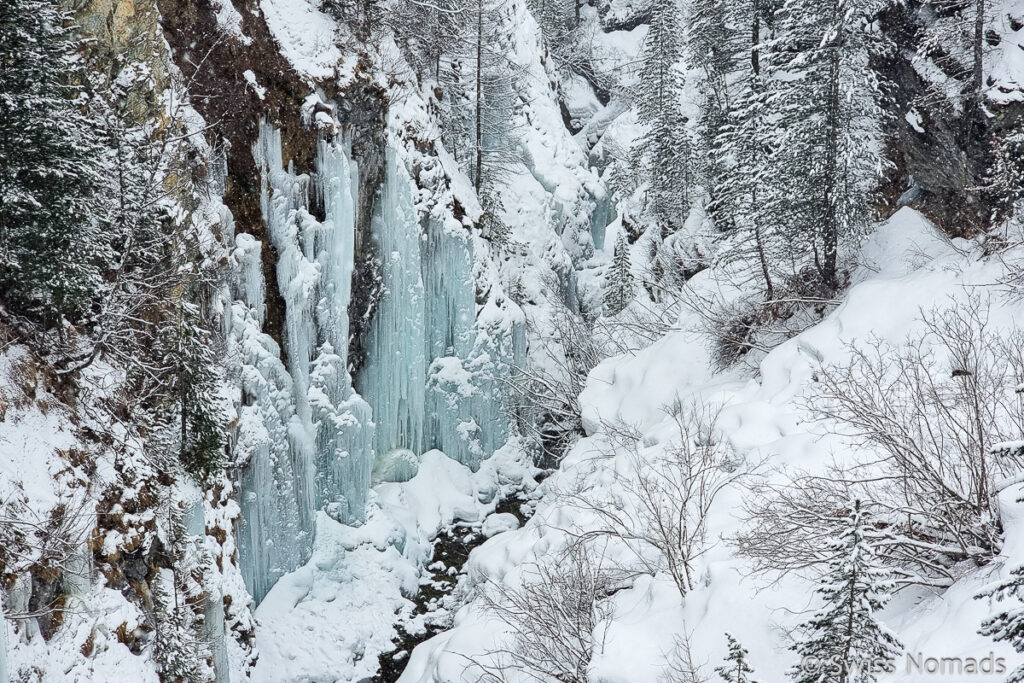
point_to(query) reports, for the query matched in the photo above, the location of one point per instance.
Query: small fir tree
(736, 669)
(844, 635)
(1008, 625)
(618, 284)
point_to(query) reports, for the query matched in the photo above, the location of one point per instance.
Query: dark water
(451, 548)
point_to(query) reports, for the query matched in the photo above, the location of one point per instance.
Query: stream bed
(451, 551)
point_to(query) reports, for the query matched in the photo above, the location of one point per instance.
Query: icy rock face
(304, 435)
(434, 361)
(436, 357)
(471, 354)
(213, 613)
(275, 531)
(394, 374)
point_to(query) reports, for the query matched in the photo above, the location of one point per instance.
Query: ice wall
(466, 410)
(344, 428)
(304, 437)
(394, 374)
(275, 533)
(603, 214)
(436, 357)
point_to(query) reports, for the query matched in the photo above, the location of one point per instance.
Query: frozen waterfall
(394, 374)
(436, 357)
(304, 434)
(434, 361)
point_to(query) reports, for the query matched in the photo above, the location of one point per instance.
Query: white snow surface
(305, 35)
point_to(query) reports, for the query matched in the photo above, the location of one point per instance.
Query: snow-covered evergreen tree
(180, 649)
(52, 191)
(619, 287)
(827, 153)
(736, 668)
(666, 146)
(192, 382)
(1008, 625)
(844, 636)
(738, 140)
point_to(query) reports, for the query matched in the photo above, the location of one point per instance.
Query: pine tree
(844, 634)
(738, 136)
(1008, 625)
(827, 153)
(194, 384)
(493, 226)
(478, 81)
(714, 46)
(666, 145)
(751, 196)
(180, 647)
(619, 287)
(52, 192)
(736, 669)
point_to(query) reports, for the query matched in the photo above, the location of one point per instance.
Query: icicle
(602, 216)
(394, 374)
(345, 428)
(304, 436)
(194, 520)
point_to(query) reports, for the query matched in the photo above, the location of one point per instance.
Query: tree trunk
(755, 39)
(479, 95)
(830, 220)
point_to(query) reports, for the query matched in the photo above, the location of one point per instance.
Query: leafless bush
(555, 617)
(638, 326)
(659, 508)
(790, 524)
(680, 666)
(47, 550)
(937, 418)
(937, 408)
(547, 390)
(738, 326)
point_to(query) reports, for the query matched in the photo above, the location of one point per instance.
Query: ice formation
(394, 374)
(304, 437)
(434, 362)
(602, 216)
(213, 611)
(435, 356)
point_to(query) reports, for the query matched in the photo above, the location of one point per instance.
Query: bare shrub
(637, 326)
(735, 327)
(937, 430)
(659, 507)
(547, 390)
(937, 419)
(680, 666)
(555, 618)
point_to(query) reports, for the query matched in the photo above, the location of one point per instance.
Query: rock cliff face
(938, 151)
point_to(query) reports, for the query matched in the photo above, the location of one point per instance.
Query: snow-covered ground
(907, 267)
(332, 618)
